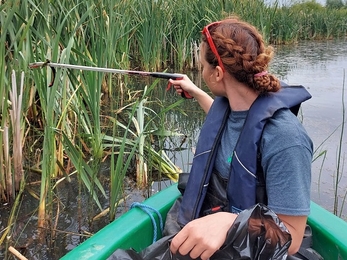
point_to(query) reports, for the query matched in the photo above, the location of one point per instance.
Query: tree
(335, 4)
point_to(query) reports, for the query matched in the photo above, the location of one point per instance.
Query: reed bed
(58, 125)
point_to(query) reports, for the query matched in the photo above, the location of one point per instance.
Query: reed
(6, 16)
(119, 167)
(340, 195)
(141, 165)
(16, 112)
(181, 34)
(340, 158)
(135, 145)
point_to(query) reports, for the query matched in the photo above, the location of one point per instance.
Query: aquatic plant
(340, 195)
(340, 158)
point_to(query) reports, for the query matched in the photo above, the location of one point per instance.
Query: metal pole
(89, 68)
(162, 75)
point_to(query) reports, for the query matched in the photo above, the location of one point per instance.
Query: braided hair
(243, 53)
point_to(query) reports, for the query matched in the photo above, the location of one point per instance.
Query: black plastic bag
(256, 234)
(158, 251)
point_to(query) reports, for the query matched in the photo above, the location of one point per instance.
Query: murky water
(319, 66)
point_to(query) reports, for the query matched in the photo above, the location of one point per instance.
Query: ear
(219, 73)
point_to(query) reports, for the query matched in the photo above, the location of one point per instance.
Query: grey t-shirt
(286, 151)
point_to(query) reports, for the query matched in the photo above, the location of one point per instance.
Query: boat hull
(134, 229)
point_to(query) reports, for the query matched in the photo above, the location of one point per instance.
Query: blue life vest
(242, 184)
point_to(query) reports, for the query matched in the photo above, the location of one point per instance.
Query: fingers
(178, 80)
(193, 250)
(202, 237)
(178, 89)
(176, 84)
(200, 252)
(183, 86)
(177, 241)
(194, 246)
(182, 82)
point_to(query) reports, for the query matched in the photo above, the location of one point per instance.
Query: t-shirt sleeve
(286, 161)
(288, 181)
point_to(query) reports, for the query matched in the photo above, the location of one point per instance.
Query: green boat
(329, 231)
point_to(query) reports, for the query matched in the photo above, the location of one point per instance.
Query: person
(235, 63)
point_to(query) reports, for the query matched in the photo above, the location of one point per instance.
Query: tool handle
(175, 76)
(164, 75)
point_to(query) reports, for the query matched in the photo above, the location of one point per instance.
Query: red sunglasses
(211, 43)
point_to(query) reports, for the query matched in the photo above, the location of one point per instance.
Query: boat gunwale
(329, 231)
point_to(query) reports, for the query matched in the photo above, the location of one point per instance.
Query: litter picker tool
(162, 75)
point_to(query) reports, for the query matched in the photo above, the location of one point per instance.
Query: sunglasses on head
(206, 32)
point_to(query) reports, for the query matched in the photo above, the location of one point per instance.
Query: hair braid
(242, 50)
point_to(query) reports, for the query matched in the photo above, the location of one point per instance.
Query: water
(290, 2)
(74, 224)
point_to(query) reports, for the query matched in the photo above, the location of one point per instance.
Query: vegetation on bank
(63, 131)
